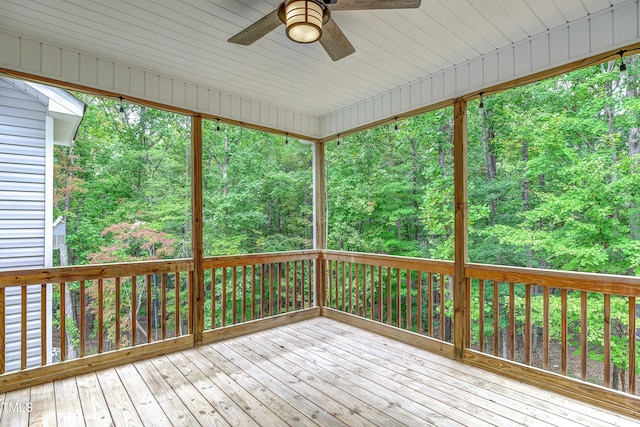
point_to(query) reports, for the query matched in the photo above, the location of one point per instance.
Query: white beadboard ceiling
(187, 40)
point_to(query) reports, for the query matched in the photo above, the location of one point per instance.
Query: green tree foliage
(257, 191)
(391, 190)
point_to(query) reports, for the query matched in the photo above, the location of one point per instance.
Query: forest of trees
(554, 182)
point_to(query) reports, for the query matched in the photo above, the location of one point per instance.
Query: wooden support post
(460, 196)
(319, 220)
(197, 294)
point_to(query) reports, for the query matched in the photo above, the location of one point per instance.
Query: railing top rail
(91, 272)
(591, 282)
(261, 258)
(409, 263)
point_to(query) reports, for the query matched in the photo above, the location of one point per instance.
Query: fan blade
(334, 41)
(257, 30)
(374, 4)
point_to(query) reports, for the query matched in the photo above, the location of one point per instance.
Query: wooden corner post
(319, 220)
(197, 282)
(461, 231)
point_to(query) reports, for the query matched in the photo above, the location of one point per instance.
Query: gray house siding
(22, 209)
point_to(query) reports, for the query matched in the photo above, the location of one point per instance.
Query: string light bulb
(338, 140)
(121, 106)
(218, 125)
(623, 66)
(481, 106)
(395, 128)
(286, 138)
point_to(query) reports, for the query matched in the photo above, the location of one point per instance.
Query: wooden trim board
(583, 391)
(258, 325)
(69, 368)
(411, 338)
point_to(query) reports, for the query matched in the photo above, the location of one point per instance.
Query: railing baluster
(133, 311)
(271, 267)
(512, 322)
(583, 336)
(189, 302)
(213, 298)
(279, 286)
(350, 287)
(442, 307)
(563, 311)
(309, 278)
(389, 296)
(118, 309)
(364, 290)
(430, 305)
(545, 329)
(63, 319)
(253, 292)
(262, 286)
(398, 299)
(380, 297)
(408, 308)
(496, 317)
(607, 340)
(177, 314)
(373, 291)
(23, 327)
(481, 315)
(163, 302)
(632, 345)
(310, 288)
(43, 326)
(286, 287)
(467, 337)
(82, 319)
(527, 325)
(244, 293)
(148, 308)
(295, 286)
(357, 295)
(344, 287)
(223, 298)
(419, 302)
(234, 295)
(329, 301)
(100, 316)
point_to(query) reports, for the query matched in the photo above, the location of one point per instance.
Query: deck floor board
(538, 400)
(447, 380)
(315, 372)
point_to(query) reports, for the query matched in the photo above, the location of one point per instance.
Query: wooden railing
(249, 287)
(537, 324)
(576, 325)
(409, 293)
(95, 311)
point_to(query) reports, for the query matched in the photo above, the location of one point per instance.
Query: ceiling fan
(308, 21)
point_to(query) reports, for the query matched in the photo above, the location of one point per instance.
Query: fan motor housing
(326, 12)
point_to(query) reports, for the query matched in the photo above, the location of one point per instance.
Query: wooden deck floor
(316, 372)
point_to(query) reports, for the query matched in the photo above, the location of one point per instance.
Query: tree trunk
(489, 164)
(505, 341)
(224, 167)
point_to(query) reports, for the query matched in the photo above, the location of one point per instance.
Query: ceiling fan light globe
(304, 20)
(303, 33)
